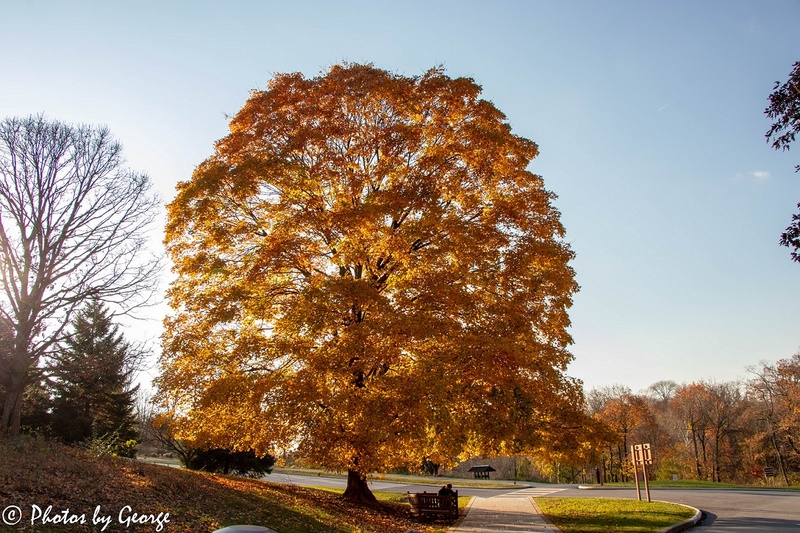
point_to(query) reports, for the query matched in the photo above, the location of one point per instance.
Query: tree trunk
(698, 469)
(780, 456)
(19, 365)
(705, 456)
(357, 489)
(12, 410)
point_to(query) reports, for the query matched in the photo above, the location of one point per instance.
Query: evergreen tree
(93, 373)
(36, 416)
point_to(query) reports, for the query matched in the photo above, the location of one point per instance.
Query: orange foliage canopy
(367, 271)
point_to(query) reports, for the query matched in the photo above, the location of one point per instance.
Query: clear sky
(649, 118)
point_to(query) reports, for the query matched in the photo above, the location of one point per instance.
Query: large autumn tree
(366, 270)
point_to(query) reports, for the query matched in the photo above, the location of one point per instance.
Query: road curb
(544, 517)
(686, 524)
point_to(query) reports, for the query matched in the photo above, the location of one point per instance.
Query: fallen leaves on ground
(37, 473)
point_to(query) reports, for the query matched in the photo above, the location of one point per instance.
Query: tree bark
(357, 489)
(698, 469)
(12, 411)
(780, 456)
(15, 384)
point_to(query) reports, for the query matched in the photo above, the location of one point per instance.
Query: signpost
(769, 473)
(641, 456)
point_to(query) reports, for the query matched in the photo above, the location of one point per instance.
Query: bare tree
(73, 226)
(597, 398)
(662, 391)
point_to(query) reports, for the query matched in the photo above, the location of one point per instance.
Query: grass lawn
(41, 474)
(589, 515)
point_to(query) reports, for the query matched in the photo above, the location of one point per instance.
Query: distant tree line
(722, 432)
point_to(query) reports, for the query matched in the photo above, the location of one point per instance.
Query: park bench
(431, 504)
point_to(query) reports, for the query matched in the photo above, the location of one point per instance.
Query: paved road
(395, 486)
(744, 510)
(727, 510)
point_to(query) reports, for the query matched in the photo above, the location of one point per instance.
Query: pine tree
(93, 374)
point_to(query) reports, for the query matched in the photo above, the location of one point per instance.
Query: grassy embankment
(34, 473)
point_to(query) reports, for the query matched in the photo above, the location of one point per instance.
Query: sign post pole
(641, 455)
(635, 451)
(647, 458)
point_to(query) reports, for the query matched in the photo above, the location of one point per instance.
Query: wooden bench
(430, 503)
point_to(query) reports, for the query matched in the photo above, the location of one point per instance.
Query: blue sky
(649, 117)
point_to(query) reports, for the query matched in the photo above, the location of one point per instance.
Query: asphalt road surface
(733, 510)
(394, 486)
(726, 510)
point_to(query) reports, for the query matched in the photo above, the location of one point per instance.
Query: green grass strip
(590, 515)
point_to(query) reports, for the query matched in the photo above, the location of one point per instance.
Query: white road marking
(532, 492)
